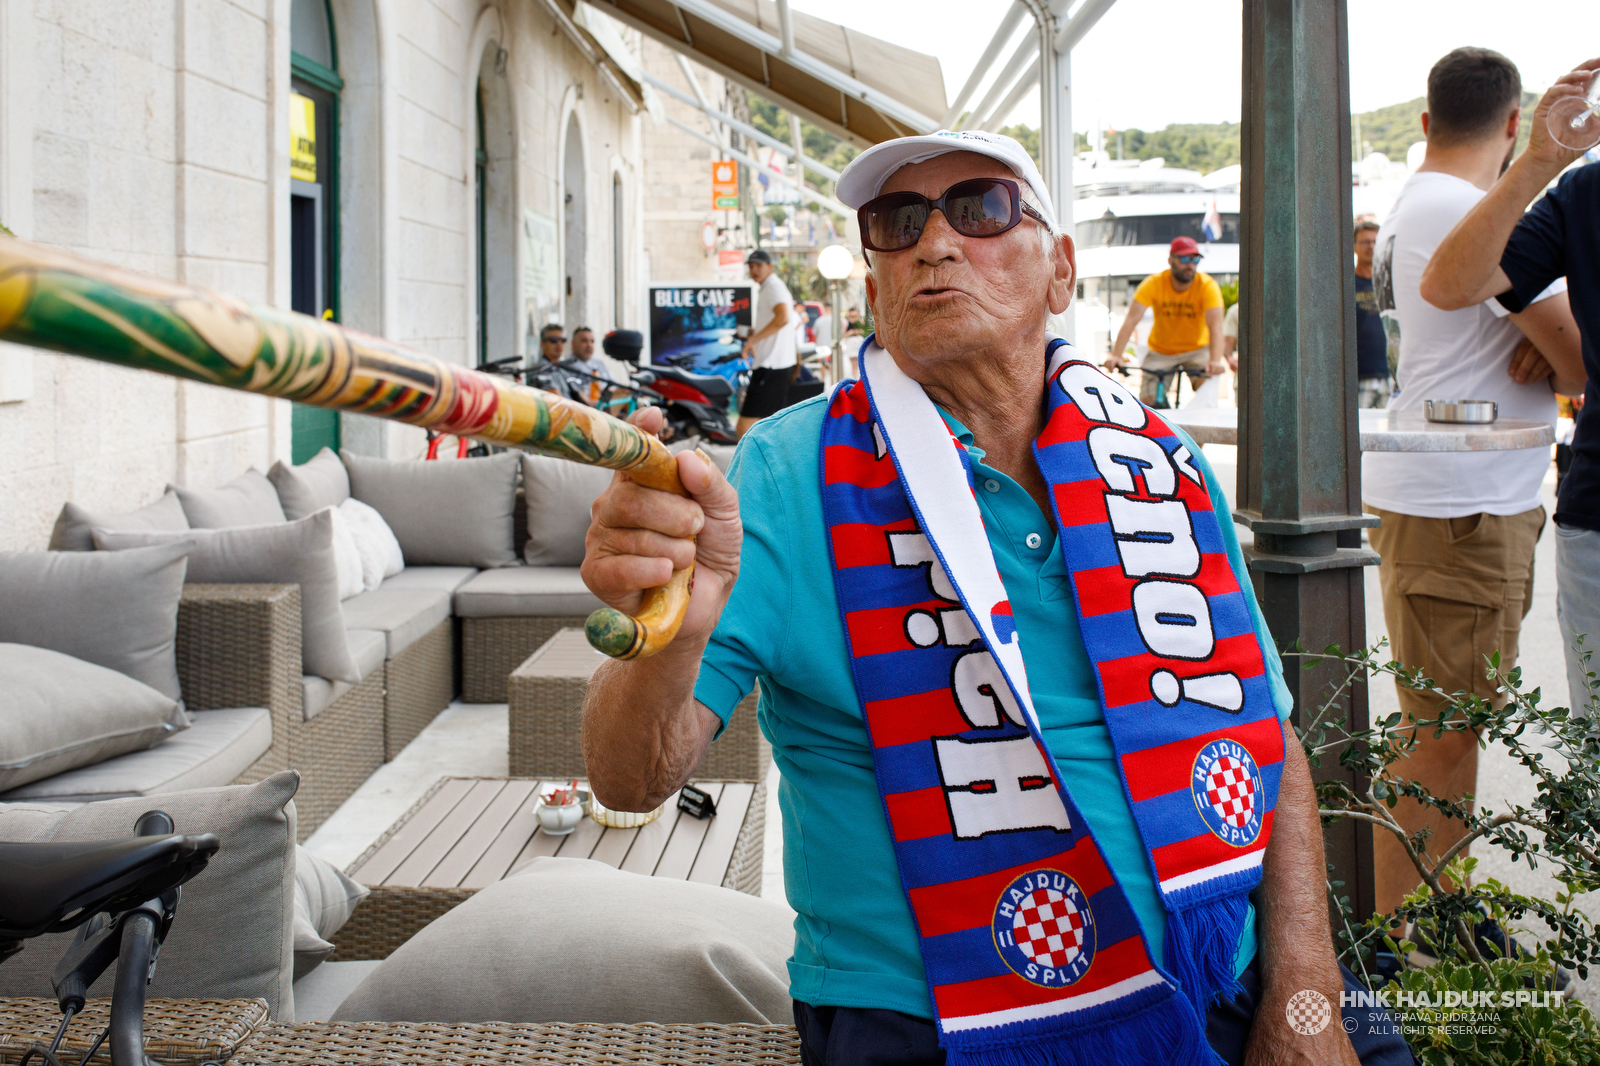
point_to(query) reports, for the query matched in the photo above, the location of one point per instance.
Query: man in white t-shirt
(771, 347)
(1459, 528)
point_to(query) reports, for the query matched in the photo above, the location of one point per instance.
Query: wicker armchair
(239, 646)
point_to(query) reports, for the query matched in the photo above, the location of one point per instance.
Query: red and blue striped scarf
(1031, 950)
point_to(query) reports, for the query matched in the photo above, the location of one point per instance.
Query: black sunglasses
(977, 207)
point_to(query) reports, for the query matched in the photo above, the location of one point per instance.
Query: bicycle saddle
(51, 887)
(712, 385)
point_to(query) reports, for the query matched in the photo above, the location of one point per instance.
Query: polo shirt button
(1034, 540)
(992, 485)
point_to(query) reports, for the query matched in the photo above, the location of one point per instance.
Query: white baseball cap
(864, 177)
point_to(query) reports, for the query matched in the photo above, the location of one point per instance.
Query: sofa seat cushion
(404, 616)
(234, 936)
(217, 747)
(317, 694)
(443, 578)
(526, 592)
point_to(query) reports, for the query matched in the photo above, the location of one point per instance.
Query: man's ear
(1425, 124)
(1064, 279)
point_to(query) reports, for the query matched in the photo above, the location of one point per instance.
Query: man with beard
(1188, 326)
(1458, 528)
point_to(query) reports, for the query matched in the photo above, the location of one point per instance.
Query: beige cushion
(233, 936)
(318, 693)
(59, 713)
(115, 609)
(572, 940)
(71, 533)
(323, 901)
(403, 616)
(217, 747)
(247, 500)
(455, 512)
(526, 592)
(443, 578)
(296, 553)
(558, 494)
(306, 489)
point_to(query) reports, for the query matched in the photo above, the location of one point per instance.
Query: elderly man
(1029, 779)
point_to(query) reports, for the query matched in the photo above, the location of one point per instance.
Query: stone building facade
(478, 172)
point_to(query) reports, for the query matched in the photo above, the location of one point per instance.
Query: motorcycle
(695, 405)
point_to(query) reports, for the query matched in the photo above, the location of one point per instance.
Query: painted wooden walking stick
(52, 299)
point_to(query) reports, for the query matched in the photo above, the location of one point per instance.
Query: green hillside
(1209, 146)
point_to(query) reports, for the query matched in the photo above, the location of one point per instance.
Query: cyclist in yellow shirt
(1188, 324)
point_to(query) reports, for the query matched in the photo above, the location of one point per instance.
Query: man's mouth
(935, 292)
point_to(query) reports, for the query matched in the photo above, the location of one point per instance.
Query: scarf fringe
(1166, 1033)
(1201, 944)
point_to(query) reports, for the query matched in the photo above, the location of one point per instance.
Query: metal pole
(1299, 443)
(836, 307)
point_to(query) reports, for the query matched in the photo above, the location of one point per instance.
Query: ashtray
(622, 819)
(1480, 412)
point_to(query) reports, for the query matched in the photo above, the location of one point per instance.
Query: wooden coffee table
(468, 833)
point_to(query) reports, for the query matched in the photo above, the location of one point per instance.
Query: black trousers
(853, 1036)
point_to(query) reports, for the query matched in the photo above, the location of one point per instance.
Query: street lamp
(835, 264)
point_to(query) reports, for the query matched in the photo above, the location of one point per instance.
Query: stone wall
(154, 134)
(678, 203)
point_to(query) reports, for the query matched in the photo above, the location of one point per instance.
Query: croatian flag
(1211, 225)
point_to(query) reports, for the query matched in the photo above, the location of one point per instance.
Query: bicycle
(1161, 401)
(122, 897)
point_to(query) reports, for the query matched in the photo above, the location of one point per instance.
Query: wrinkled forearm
(1296, 944)
(643, 730)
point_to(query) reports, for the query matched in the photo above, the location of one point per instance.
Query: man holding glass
(1497, 252)
(1188, 326)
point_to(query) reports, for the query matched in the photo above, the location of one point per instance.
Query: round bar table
(1387, 431)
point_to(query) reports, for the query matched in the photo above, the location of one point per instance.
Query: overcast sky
(1152, 62)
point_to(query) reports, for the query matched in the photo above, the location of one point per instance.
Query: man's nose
(939, 240)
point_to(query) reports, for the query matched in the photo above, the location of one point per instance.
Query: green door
(313, 195)
(312, 429)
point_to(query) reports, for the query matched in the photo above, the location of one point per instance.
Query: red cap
(1183, 246)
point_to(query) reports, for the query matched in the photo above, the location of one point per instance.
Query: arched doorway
(498, 320)
(574, 227)
(314, 88)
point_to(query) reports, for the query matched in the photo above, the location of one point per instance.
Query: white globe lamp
(835, 263)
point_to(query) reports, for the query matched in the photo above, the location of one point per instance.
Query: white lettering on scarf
(996, 786)
(991, 786)
(1154, 536)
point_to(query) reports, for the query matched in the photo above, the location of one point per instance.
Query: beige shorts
(1194, 362)
(1455, 590)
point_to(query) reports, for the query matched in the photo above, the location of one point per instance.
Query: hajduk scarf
(1031, 950)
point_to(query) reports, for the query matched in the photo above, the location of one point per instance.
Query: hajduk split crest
(983, 827)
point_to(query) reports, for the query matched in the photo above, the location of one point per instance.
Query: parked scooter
(695, 405)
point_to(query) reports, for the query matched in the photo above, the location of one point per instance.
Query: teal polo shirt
(855, 943)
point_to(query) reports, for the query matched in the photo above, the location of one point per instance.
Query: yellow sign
(725, 185)
(302, 137)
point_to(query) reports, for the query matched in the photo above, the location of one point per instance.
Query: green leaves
(1560, 825)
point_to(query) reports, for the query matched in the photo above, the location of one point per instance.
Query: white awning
(855, 86)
